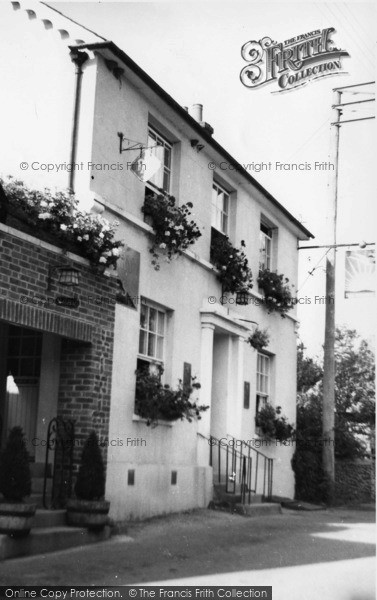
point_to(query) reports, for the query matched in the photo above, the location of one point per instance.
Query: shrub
(15, 478)
(90, 483)
(310, 481)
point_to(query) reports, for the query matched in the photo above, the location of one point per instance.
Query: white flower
(173, 242)
(44, 216)
(115, 251)
(101, 235)
(43, 203)
(103, 259)
(162, 245)
(79, 238)
(63, 227)
(85, 237)
(167, 233)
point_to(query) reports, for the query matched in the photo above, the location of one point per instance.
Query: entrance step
(49, 539)
(221, 495)
(50, 518)
(258, 510)
(35, 499)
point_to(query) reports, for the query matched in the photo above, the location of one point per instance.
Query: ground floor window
(152, 333)
(150, 359)
(263, 382)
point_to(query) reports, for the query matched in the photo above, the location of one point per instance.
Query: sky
(193, 50)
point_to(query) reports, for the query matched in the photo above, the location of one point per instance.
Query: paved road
(303, 555)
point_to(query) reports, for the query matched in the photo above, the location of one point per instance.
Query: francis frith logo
(292, 63)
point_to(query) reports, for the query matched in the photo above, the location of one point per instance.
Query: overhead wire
(351, 32)
(310, 273)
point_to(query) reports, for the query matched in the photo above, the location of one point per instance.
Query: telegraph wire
(310, 273)
(351, 33)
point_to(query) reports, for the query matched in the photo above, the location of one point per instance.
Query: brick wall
(87, 331)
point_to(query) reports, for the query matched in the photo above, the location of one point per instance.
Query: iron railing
(241, 468)
(59, 455)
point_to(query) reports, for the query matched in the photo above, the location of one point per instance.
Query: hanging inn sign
(291, 63)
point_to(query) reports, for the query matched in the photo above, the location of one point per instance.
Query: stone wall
(355, 481)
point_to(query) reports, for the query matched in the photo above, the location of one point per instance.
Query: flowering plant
(87, 234)
(95, 235)
(174, 231)
(259, 339)
(234, 272)
(272, 424)
(155, 401)
(278, 296)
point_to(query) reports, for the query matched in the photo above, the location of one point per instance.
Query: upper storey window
(220, 209)
(162, 149)
(265, 247)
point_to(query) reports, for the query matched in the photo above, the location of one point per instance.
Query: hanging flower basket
(232, 264)
(174, 230)
(277, 292)
(259, 339)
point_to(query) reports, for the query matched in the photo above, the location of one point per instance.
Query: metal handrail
(243, 468)
(242, 442)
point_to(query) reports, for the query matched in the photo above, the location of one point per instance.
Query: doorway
(22, 361)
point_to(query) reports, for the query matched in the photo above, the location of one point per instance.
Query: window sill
(138, 419)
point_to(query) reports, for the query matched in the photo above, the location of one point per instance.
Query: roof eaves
(194, 124)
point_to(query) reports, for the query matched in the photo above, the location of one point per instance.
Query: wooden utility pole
(328, 406)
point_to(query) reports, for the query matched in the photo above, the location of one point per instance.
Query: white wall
(38, 84)
(182, 287)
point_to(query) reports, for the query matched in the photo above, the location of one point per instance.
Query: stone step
(50, 518)
(35, 499)
(221, 494)
(49, 539)
(258, 510)
(254, 498)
